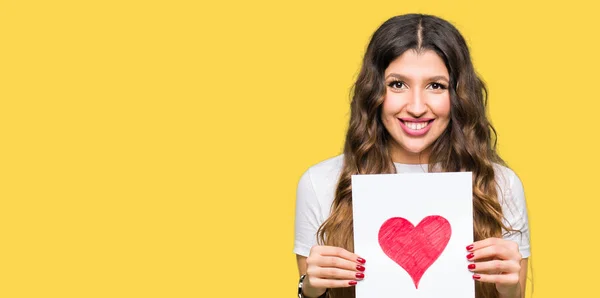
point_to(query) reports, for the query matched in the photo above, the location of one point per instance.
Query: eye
(438, 86)
(397, 85)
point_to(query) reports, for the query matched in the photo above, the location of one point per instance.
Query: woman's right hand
(332, 267)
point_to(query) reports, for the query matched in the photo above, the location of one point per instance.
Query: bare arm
(301, 264)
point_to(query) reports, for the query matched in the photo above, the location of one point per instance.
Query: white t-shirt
(316, 191)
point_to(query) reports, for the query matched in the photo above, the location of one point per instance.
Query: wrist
(509, 292)
(309, 295)
(308, 291)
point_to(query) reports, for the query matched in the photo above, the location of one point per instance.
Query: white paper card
(413, 230)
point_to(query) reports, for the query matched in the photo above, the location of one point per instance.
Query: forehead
(412, 64)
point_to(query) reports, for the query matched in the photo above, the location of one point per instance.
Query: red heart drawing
(415, 248)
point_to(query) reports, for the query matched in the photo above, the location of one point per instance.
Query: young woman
(417, 106)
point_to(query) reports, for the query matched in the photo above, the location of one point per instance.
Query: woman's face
(416, 106)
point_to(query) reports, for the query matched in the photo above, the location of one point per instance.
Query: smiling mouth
(416, 125)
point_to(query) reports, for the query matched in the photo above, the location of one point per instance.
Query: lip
(416, 120)
(412, 132)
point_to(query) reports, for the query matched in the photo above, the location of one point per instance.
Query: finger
(337, 262)
(334, 273)
(332, 283)
(512, 245)
(505, 279)
(340, 252)
(495, 251)
(484, 243)
(495, 267)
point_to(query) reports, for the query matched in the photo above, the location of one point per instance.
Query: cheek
(441, 107)
(392, 104)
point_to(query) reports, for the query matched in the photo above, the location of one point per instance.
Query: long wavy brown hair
(467, 144)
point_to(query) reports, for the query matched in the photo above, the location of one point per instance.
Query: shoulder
(508, 182)
(321, 179)
(324, 174)
(511, 195)
(326, 168)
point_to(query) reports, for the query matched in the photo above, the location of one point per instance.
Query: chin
(416, 149)
(415, 152)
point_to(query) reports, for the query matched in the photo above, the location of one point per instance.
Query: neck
(401, 155)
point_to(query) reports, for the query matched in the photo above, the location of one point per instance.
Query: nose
(416, 106)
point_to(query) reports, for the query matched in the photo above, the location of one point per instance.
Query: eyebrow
(404, 78)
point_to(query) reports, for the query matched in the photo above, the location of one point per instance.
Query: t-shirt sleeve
(308, 212)
(515, 214)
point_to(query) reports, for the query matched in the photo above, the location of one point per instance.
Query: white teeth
(416, 125)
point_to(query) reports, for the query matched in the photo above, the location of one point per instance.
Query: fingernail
(470, 256)
(360, 275)
(361, 260)
(352, 282)
(470, 247)
(471, 266)
(476, 276)
(360, 268)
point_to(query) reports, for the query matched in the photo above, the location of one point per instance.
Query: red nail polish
(352, 282)
(361, 260)
(360, 268)
(476, 276)
(360, 275)
(470, 256)
(470, 247)
(471, 266)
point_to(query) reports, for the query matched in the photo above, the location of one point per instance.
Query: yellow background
(153, 148)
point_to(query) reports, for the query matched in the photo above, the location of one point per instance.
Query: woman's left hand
(496, 261)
